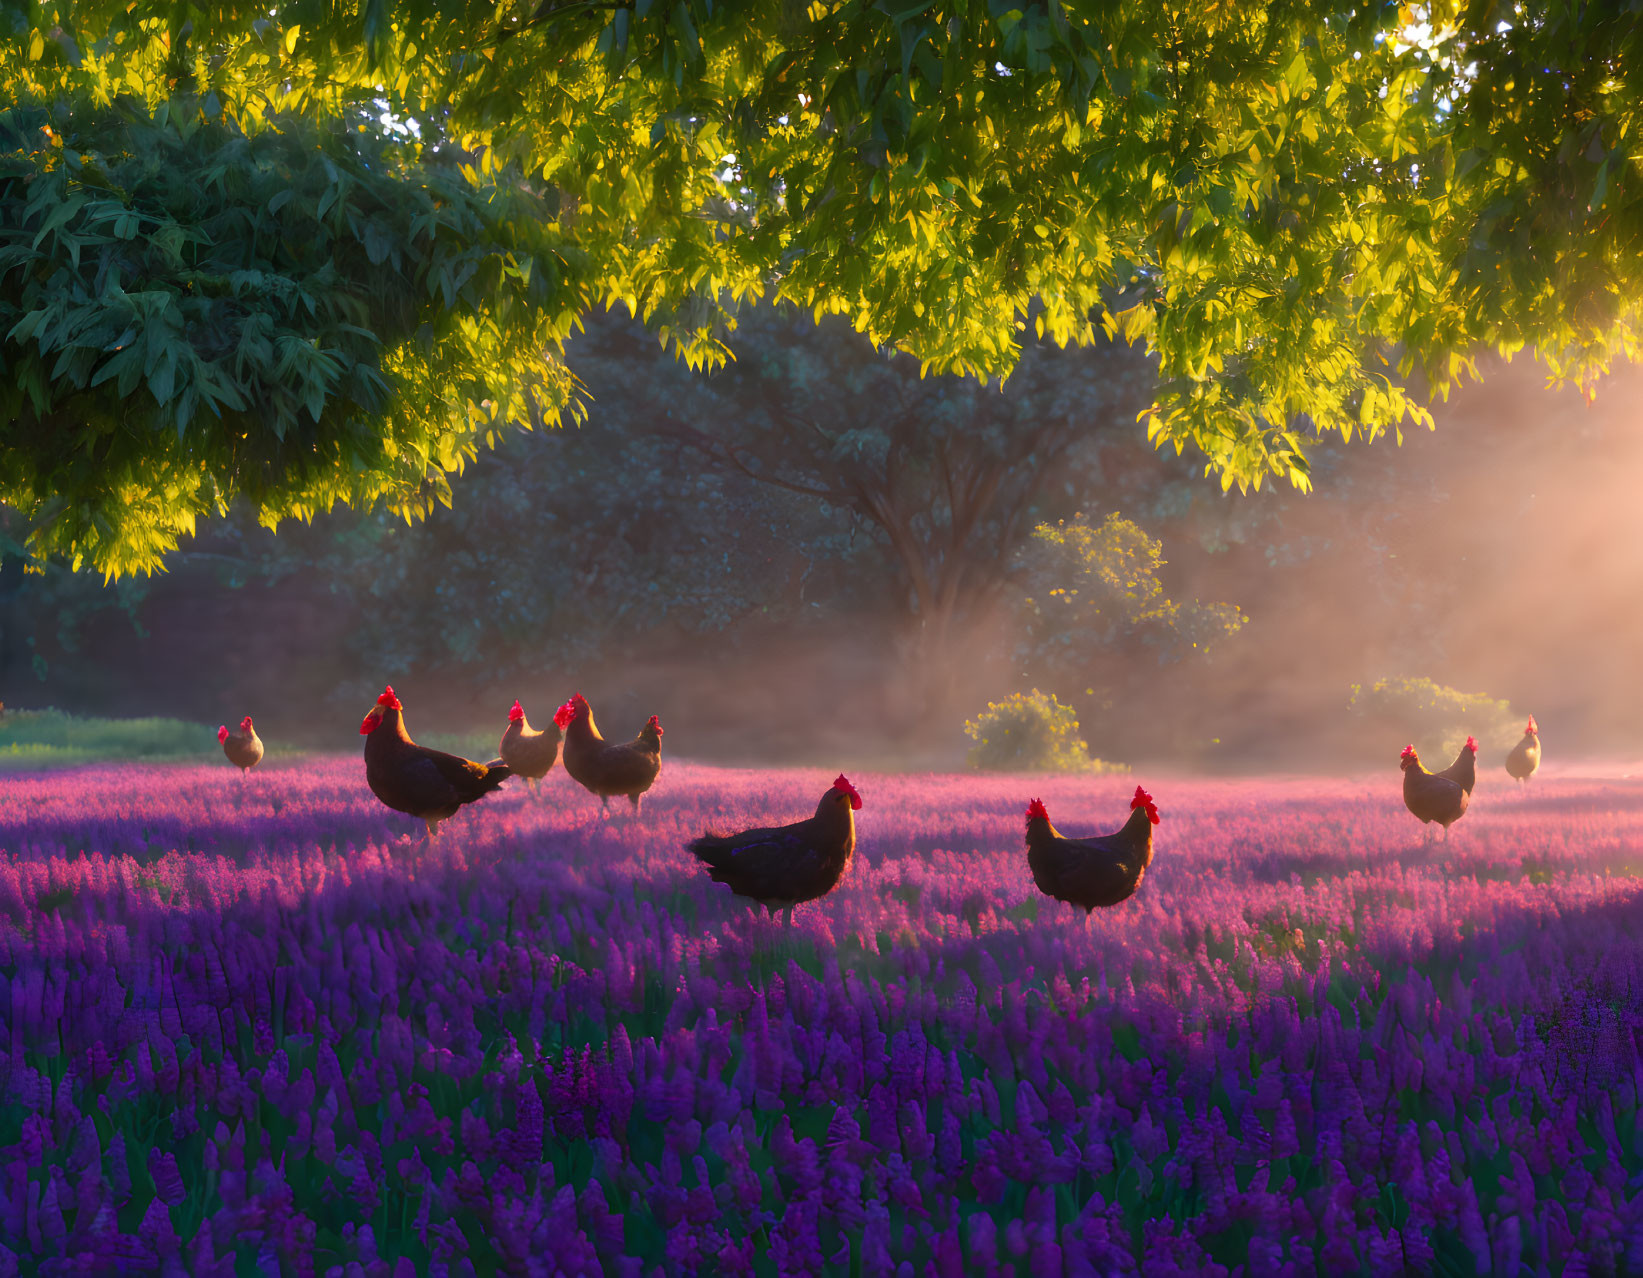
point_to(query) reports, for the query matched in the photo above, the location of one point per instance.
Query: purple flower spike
(168, 1181)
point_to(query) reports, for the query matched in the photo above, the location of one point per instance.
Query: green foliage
(1096, 605)
(42, 738)
(1293, 205)
(1439, 719)
(296, 315)
(1030, 732)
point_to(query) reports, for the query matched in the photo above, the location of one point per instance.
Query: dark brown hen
(607, 768)
(243, 748)
(1095, 872)
(1429, 796)
(781, 866)
(413, 779)
(529, 753)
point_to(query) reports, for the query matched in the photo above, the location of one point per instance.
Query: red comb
(1472, 744)
(388, 701)
(1408, 752)
(222, 733)
(844, 787)
(1532, 728)
(1144, 800)
(1037, 811)
(245, 724)
(563, 716)
(655, 723)
(517, 714)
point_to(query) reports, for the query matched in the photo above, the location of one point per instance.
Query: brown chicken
(784, 865)
(1429, 796)
(243, 748)
(529, 753)
(415, 780)
(606, 768)
(1524, 760)
(1464, 770)
(1093, 872)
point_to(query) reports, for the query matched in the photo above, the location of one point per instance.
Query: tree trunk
(944, 654)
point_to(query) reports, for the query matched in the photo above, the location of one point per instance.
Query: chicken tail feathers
(712, 850)
(718, 854)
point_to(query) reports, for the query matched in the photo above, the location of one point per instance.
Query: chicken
(414, 779)
(1429, 796)
(243, 748)
(1099, 871)
(1464, 770)
(529, 753)
(1524, 760)
(605, 768)
(784, 865)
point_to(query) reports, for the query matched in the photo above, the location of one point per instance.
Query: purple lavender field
(259, 1028)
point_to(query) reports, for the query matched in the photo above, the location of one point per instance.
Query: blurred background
(818, 556)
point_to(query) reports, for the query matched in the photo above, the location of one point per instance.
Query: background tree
(944, 475)
(835, 479)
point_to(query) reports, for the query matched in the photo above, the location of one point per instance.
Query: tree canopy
(295, 316)
(1302, 208)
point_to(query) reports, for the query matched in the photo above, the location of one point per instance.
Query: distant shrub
(1030, 732)
(40, 738)
(1438, 719)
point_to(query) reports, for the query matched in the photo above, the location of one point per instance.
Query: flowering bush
(1439, 719)
(1030, 732)
(255, 1026)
